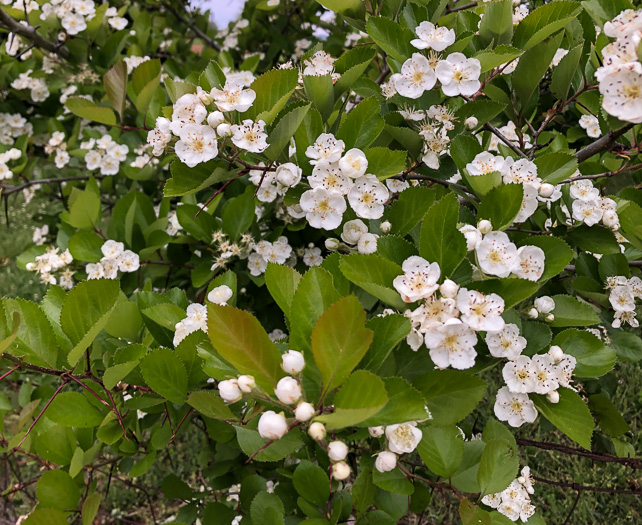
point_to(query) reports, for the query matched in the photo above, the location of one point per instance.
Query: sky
(223, 11)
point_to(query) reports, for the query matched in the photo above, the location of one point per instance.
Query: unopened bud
(550, 318)
(224, 130)
(337, 450)
(332, 244)
(449, 289)
(553, 397)
(471, 122)
(246, 383)
(485, 226)
(386, 461)
(385, 227)
(317, 431)
(546, 190)
(215, 119)
(556, 353)
(340, 471)
(304, 411)
(376, 432)
(533, 313)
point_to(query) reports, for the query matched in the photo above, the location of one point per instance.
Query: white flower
(215, 118)
(473, 236)
(256, 264)
(496, 254)
(449, 289)
(367, 243)
(471, 122)
(623, 317)
(110, 266)
(514, 408)
(459, 75)
(272, 425)
(112, 249)
(246, 383)
(622, 299)
(317, 431)
(386, 461)
(293, 362)
(117, 22)
(584, 190)
(340, 471)
(452, 344)
(220, 294)
(376, 432)
(319, 64)
(304, 411)
(622, 92)
(481, 312)
(559, 55)
(492, 500)
(250, 136)
(73, 23)
(530, 263)
(397, 185)
(485, 163)
(337, 450)
(229, 390)
(526, 481)
(158, 137)
(312, 257)
(353, 230)
(403, 438)
(520, 13)
(529, 203)
(288, 390)
(506, 343)
(591, 124)
(323, 208)
(519, 375)
(419, 280)
(95, 271)
(627, 22)
(431, 36)
(588, 212)
(288, 174)
(545, 374)
(521, 171)
(233, 97)
(128, 261)
(354, 163)
(415, 78)
(197, 144)
(367, 197)
(544, 304)
(329, 177)
(325, 148)
(415, 339)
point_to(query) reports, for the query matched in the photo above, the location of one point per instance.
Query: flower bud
(317, 431)
(485, 226)
(553, 397)
(229, 390)
(220, 294)
(556, 353)
(386, 461)
(223, 130)
(337, 450)
(367, 243)
(546, 190)
(449, 289)
(385, 227)
(550, 318)
(471, 122)
(332, 244)
(544, 304)
(288, 174)
(288, 390)
(376, 432)
(246, 383)
(304, 411)
(533, 313)
(293, 362)
(272, 425)
(340, 471)
(215, 119)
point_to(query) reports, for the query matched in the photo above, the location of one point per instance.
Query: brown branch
(460, 7)
(602, 175)
(13, 189)
(587, 488)
(9, 372)
(570, 513)
(604, 143)
(42, 412)
(30, 33)
(179, 426)
(489, 127)
(216, 193)
(437, 485)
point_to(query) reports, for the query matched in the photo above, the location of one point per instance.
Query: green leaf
(628, 346)
(595, 239)
(145, 82)
(362, 125)
(384, 162)
(538, 336)
(115, 81)
(440, 240)
(466, 476)
(84, 209)
(186, 180)
(90, 508)
(556, 167)
(56, 490)
(71, 409)
(594, 358)
(267, 509)
(565, 71)
(210, 405)
(608, 416)
(533, 65)
(351, 65)
(85, 246)
(239, 214)
(363, 490)
(282, 282)
(319, 90)
(393, 481)
(46, 517)
(143, 465)
(405, 403)
(284, 129)
(571, 312)
(441, 449)
(463, 149)
(375, 275)
(312, 483)
(85, 313)
(83, 108)
(6, 343)
(176, 88)
(240, 339)
(450, 394)
(212, 77)
(483, 110)
(497, 25)
(395, 249)
(362, 396)
(490, 59)
(501, 205)
(630, 215)
(498, 466)
(389, 331)
(273, 89)
(250, 442)
(473, 514)
(570, 415)
(114, 374)
(391, 37)
(543, 22)
(339, 340)
(411, 206)
(165, 373)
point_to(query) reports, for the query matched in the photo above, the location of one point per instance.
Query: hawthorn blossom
(481, 312)
(530, 263)
(323, 208)
(233, 97)
(403, 438)
(519, 375)
(354, 163)
(353, 230)
(497, 255)
(622, 299)
(197, 144)
(545, 374)
(485, 163)
(514, 408)
(459, 75)
(326, 148)
(591, 124)
(415, 78)
(330, 177)
(506, 343)
(419, 279)
(367, 197)
(452, 344)
(433, 37)
(589, 212)
(627, 22)
(250, 136)
(622, 92)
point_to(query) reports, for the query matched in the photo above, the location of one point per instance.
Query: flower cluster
(115, 258)
(12, 126)
(105, 154)
(263, 252)
(273, 184)
(591, 124)
(51, 261)
(591, 208)
(37, 86)
(514, 502)
(5, 158)
(355, 234)
(196, 318)
(622, 296)
(56, 145)
(402, 438)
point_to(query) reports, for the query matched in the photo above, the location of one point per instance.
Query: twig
(587, 488)
(602, 175)
(179, 426)
(570, 513)
(42, 412)
(193, 27)
(9, 189)
(270, 442)
(30, 33)
(9, 372)
(489, 127)
(602, 144)
(460, 7)
(435, 484)
(216, 193)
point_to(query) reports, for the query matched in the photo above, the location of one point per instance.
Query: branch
(587, 488)
(602, 175)
(30, 33)
(13, 189)
(489, 127)
(193, 27)
(62, 385)
(460, 7)
(604, 143)
(178, 427)
(270, 442)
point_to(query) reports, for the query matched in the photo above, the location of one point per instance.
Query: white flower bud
(340, 471)
(485, 226)
(224, 130)
(293, 362)
(546, 190)
(229, 390)
(332, 244)
(533, 313)
(385, 226)
(337, 450)
(550, 318)
(304, 411)
(471, 122)
(272, 425)
(553, 397)
(544, 304)
(288, 174)
(317, 431)
(556, 353)
(220, 294)
(288, 390)
(449, 289)
(246, 383)
(376, 432)
(215, 119)
(386, 461)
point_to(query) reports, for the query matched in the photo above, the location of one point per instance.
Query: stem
(9, 372)
(602, 144)
(270, 442)
(42, 412)
(179, 426)
(30, 33)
